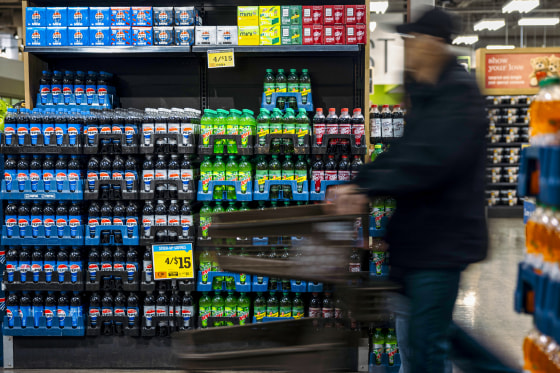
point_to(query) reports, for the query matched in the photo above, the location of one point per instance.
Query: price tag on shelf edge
(221, 58)
(173, 261)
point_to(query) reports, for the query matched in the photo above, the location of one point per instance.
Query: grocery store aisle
(485, 302)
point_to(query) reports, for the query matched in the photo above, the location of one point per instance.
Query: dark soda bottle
(315, 306)
(355, 166)
(330, 169)
(318, 172)
(35, 168)
(45, 86)
(119, 213)
(332, 126)
(269, 85)
(293, 87)
(386, 122)
(281, 87)
(67, 86)
(344, 169)
(358, 126)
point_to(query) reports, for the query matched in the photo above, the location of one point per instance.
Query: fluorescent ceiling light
(465, 39)
(372, 26)
(539, 21)
(500, 47)
(378, 6)
(490, 24)
(521, 6)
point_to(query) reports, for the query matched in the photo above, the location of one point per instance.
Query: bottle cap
(332, 110)
(357, 110)
(344, 110)
(319, 110)
(384, 106)
(396, 106)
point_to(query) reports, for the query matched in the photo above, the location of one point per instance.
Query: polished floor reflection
(485, 302)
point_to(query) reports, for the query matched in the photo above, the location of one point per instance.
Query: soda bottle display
(232, 128)
(398, 121)
(276, 125)
(219, 128)
(259, 307)
(204, 309)
(230, 307)
(281, 87)
(331, 172)
(358, 126)
(243, 307)
(293, 87)
(232, 174)
(269, 85)
(263, 126)
(247, 127)
(206, 126)
(218, 308)
(274, 174)
(261, 173)
(298, 307)
(344, 122)
(386, 122)
(391, 346)
(304, 86)
(245, 173)
(378, 345)
(218, 174)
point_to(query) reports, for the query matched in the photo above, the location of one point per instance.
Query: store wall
(11, 78)
(382, 97)
(388, 64)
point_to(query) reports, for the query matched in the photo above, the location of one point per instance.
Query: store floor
(485, 302)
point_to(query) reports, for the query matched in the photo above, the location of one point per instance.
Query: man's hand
(348, 200)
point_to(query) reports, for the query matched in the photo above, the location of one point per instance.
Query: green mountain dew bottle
(206, 126)
(243, 307)
(281, 87)
(232, 174)
(218, 280)
(378, 149)
(293, 87)
(243, 276)
(288, 174)
(302, 127)
(205, 219)
(269, 85)
(285, 305)
(204, 309)
(378, 345)
(247, 127)
(298, 307)
(272, 305)
(304, 85)
(276, 122)
(232, 128)
(274, 174)
(218, 174)
(230, 307)
(261, 174)
(245, 173)
(259, 307)
(206, 173)
(300, 172)
(391, 346)
(289, 127)
(244, 206)
(205, 260)
(230, 280)
(218, 308)
(231, 207)
(263, 126)
(378, 211)
(390, 205)
(219, 128)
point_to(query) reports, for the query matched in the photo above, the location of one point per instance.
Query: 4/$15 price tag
(221, 58)
(173, 261)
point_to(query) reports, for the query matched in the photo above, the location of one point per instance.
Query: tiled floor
(485, 302)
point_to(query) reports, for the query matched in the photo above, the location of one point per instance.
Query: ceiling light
(500, 47)
(372, 26)
(539, 21)
(521, 6)
(465, 39)
(379, 7)
(490, 24)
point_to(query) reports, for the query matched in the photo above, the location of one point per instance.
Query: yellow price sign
(173, 261)
(221, 58)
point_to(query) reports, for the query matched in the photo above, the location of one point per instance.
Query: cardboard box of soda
(142, 36)
(120, 16)
(78, 36)
(226, 35)
(57, 16)
(292, 35)
(121, 35)
(57, 36)
(163, 15)
(205, 35)
(334, 35)
(184, 35)
(36, 17)
(100, 36)
(356, 34)
(312, 35)
(247, 16)
(187, 16)
(269, 15)
(354, 14)
(163, 35)
(270, 35)
(312, 15)
(100, 16)
(248, 35)
(141, 16)
(78, 16)
(290, 15)
(333, 15)
(36, 36)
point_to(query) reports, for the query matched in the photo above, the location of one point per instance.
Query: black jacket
(436, 172)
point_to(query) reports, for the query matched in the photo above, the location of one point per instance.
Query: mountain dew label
(391, 350)
(245, 178)
(205, 268)
(262, 177)
(286, 311)
(204, 315)
(378, 352)
(206, 178)
(232, 129)
(245, 133)
(378, 259)
(230, 311)
(298, 312)
(204, 225)
(218, 175)
(206, 131)
(260, 312)
(377, 213)
(242, 278)
(231, 175)
(217, 311)
(243, 314)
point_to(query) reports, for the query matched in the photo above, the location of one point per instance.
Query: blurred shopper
(437, 174)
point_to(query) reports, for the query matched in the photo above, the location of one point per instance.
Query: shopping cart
(309, 344)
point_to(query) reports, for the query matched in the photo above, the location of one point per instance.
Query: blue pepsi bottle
(10, 126)
(75, 309)
(35, 125)
(94, 309)
(106, 259)
(94, 218)
(91, 86)
(50, 309)
(75, 127)
(131, 263)
(120, 307)
(45, 86)
(11, 263)
(107, 308)
(130, 127)
(132, 309)
(37, 309)
(91, 129)
(60, 126)
(24, 308)
(24, 218)
(62, 309)
(36, 218)
(24, 263)
(130, 173)
(61, 172)
(56, 87)
(11, 218)
(75, 262)
(10, 172)
(12, 308)
(35, 172)
(48, 126)
(22, 126)
(48, 172)
(49, 218)
(61, 264)
(74, 218)
(80, 87)
(102, 88)
(61, 218)
(36, 263)
(22, 172)
(49, 263)
(131, 219)
(93, 263)
(73, 173)
(67, 86)
(92, 173)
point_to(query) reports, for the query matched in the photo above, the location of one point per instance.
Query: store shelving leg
(8, 345)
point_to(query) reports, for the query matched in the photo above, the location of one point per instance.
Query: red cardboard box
(338, 12)
(360, 12)
(318, 34)
(351, 37)
(307, 35)
(361, 34)
(339, 35)
(328, 15)
(328, 35)
(312, 15)
(350, 14)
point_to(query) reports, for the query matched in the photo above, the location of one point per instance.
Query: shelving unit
(174, 76)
